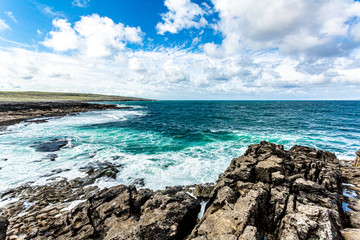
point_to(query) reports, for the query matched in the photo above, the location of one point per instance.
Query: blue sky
(34, 15)
(183, 49)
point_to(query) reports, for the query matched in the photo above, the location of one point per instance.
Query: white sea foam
(202, 209)
(72, 205)
(5, 202)
(132, 106)
(90, 142)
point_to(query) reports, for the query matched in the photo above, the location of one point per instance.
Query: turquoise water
(174, 142)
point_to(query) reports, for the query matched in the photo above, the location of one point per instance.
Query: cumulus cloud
(171, 73)
(64, 38)
(182, 14)
(11, 16)
(316, 28)
(3, 25)
(268, 52)
(92, 36)
(81, 3)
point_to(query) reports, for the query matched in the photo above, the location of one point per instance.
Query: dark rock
(201, 191)
(98, 165)
(139, 182)
(122, 212)
(56, 171)
(52, 156)
(98, 169)
(269, 192)
(12, 113)
(3, 227)
(50, 146)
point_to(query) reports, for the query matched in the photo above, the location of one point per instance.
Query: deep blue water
(176, 142)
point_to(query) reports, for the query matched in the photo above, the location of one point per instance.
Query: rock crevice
(268, 192)
(278, 194)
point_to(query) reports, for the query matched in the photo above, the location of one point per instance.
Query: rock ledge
(268, 192)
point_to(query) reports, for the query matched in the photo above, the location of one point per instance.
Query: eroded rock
(278, 194)
(269, 192)
(357, 159)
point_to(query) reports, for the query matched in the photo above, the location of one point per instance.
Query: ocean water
(170, 143)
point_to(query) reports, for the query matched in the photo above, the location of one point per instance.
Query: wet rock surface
(11, 113)
(268, 192)
(50, 146)
(351, 194)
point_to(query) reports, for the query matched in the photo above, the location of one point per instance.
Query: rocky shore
(15, 112)
(269, 192)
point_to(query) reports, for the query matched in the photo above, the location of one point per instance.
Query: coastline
(16, 112)
(301, 193)
(267, 180)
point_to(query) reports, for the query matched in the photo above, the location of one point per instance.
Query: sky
(183, 49)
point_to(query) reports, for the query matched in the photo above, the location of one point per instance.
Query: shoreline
(15, 112)
(269, 192)
(266, 181)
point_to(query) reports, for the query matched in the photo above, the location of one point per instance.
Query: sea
(167, 143)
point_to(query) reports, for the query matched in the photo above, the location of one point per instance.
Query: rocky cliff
(267, 193)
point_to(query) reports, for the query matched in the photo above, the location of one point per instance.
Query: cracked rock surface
(278, 194)
(268, 192)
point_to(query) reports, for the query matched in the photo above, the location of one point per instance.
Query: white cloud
(11, 16)
(47, 10)
(3, 25)
(64, 38)
(292, 26)
(96, 51)
(81, 3)
(171, 73)
(182, 14)
(92, 36)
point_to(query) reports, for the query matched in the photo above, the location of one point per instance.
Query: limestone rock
(278, 194)
(268, 192)
(350, 233)
(357, 159)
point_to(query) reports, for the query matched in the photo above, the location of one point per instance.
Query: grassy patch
(56, 96)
